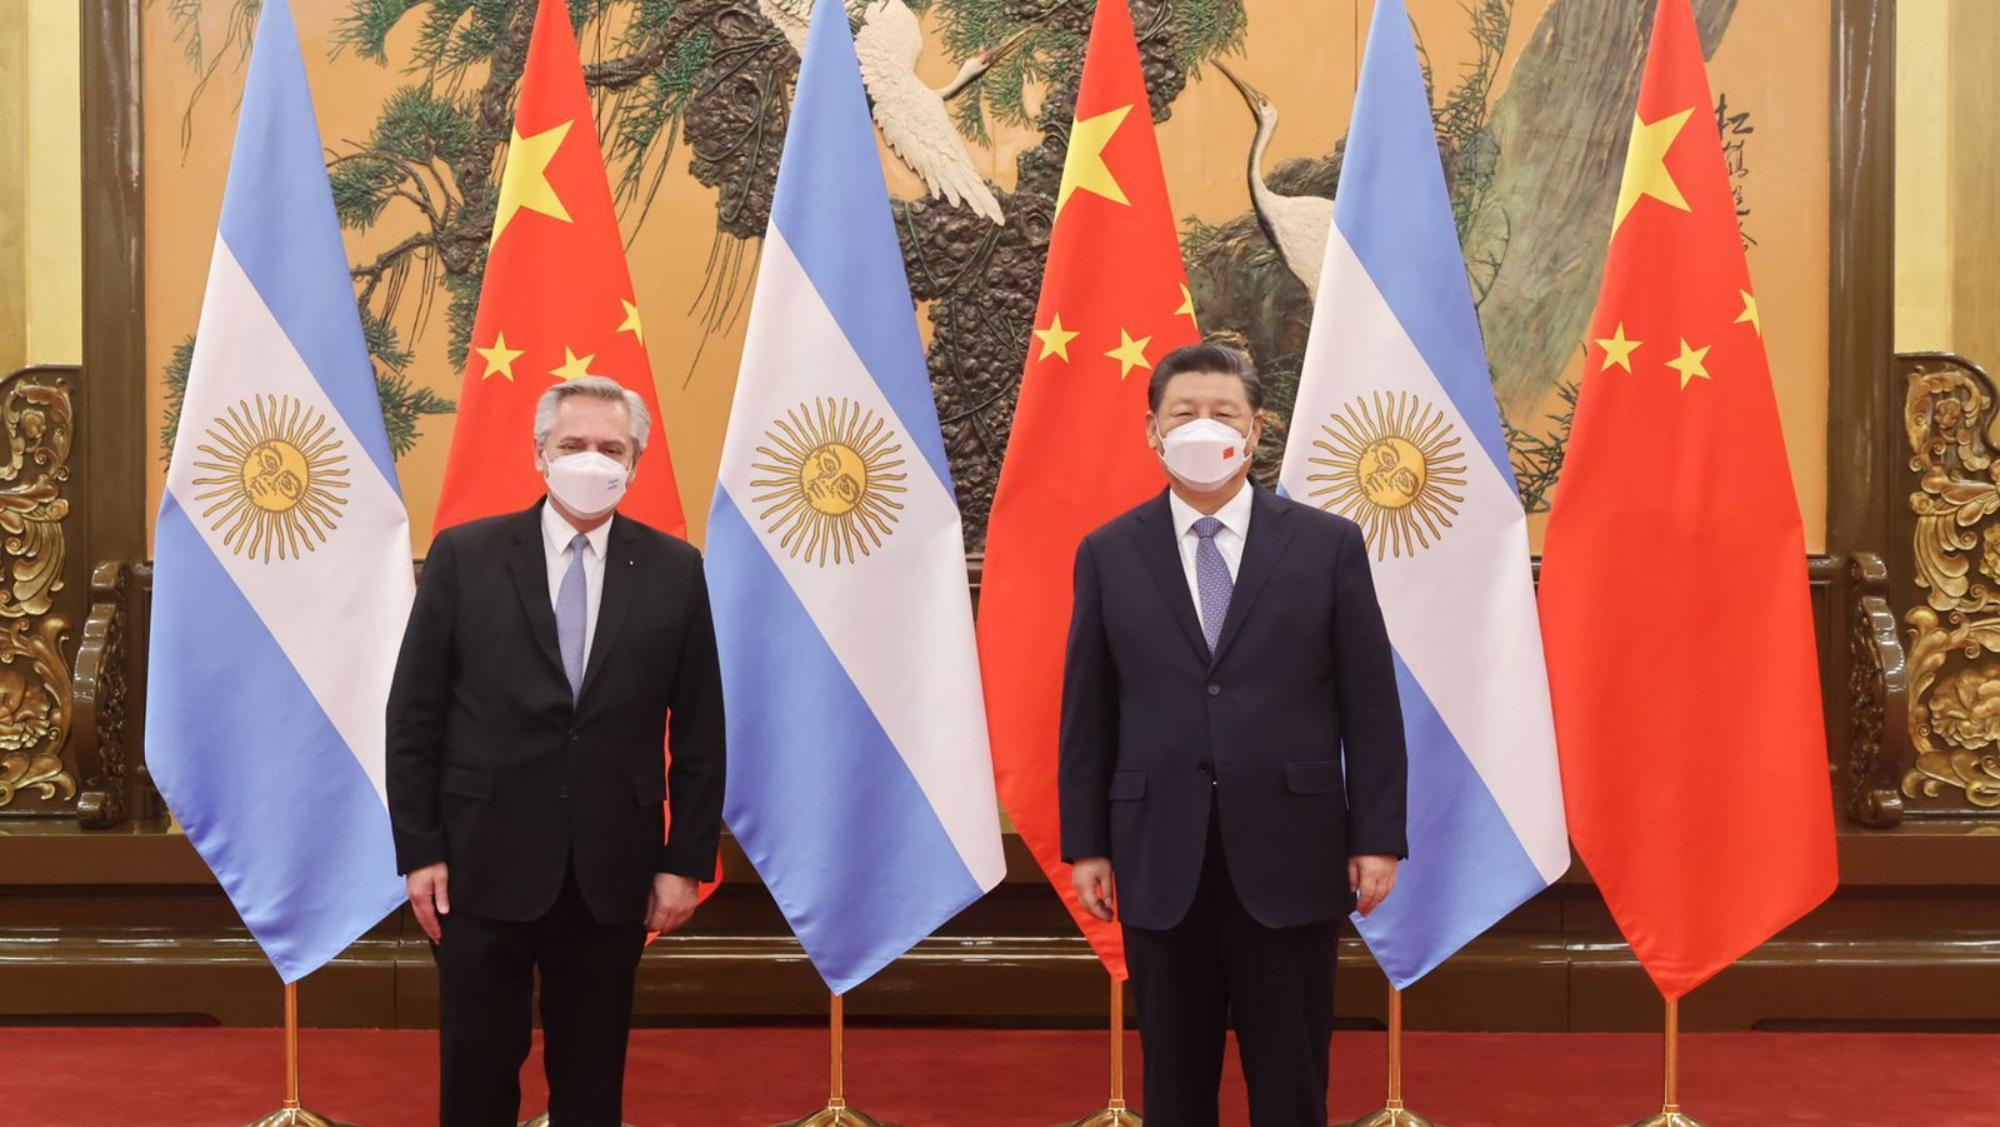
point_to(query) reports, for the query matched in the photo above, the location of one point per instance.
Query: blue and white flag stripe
(860, 781)
(270, 670)
(1395, 324)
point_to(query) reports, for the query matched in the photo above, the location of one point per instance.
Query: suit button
(573, 737)
(1214, 689)
(562, 792)
(1205, 768)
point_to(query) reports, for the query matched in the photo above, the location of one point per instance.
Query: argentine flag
(282, 577)
(860, 783)
(1396, 428)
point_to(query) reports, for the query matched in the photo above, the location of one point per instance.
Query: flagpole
(1670, 1108)
(836, 1113)
(1117, 1105)
(1393, 1113)
(836, 1099)
(291, 1113)
(1115, 1113)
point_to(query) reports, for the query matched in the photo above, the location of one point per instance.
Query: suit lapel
(1270, 532)
(1162, 552)
(621, 582)
(529, 561)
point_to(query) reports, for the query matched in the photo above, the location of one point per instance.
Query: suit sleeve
(1371, 716)
(419, 699)
(695, 739)
(1089, 734)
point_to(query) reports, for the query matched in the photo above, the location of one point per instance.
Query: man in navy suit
(1233, 771)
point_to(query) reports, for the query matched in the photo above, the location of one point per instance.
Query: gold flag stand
(1115, 1113)
(1393, 1113)
(291, 1114)
(1670, 1109)
(836, 1113)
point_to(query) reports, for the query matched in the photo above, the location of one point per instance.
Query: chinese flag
(1114, 300)
(557, 302)
(1673, 598)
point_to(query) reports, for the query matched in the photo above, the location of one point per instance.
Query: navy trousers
(1219, 968)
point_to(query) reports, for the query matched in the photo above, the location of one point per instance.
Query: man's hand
(1370, 878)
(428, 898)
(671, 903)
(1095, 886)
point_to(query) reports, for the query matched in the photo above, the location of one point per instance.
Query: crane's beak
(1251, 96)
(1012, 44)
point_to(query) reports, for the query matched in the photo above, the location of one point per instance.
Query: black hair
(1207, 358)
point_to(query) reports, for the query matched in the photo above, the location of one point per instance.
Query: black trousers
(1219, 966)
(486, 972)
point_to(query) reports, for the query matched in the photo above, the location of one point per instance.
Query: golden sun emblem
(830, 493)
(1391, 467)
(279, 478)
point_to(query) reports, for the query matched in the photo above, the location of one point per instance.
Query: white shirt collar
(557, 532)
(1234, 513)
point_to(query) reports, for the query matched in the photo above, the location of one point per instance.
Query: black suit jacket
(1155, 728)
(494, 768)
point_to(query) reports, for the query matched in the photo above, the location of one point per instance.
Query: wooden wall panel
(130, 928)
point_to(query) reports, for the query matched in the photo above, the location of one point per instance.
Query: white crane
(909, 112)
(1296, 225)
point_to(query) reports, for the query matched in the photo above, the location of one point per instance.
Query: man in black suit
(1225, 653)
(547, 656)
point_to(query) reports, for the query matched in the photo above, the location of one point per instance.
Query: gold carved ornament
(1954, 720)
(35, 422)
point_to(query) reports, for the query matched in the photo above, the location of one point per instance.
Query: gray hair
(593, 387)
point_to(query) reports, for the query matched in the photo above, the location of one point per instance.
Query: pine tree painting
(712, 81)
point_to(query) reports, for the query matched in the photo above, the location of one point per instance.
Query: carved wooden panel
(36, 433)
(61, 695)
(1878, 699)
(1953, 631)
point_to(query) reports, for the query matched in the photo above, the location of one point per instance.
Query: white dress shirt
(1235, 517)
(556, 535)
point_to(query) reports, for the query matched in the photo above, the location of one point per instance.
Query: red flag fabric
(557, 302)
(1114, 301)
(1673, 596)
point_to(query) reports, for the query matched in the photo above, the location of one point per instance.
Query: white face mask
(589, 483)
(1204, 453)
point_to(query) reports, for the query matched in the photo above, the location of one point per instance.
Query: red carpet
(988, 1078)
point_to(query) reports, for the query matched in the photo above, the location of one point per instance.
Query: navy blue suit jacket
(1155, 728)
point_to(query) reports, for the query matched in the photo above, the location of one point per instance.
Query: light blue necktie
(1212, 580)
(572, 606)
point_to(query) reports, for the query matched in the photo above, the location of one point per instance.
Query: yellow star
(1646, 165)
(524, 183)
(632, 324)
(1187, 307)
(1618, 350)
(1055, 339)
(1083, 165)
(574, 367)
(499, 359)
(1130, 353)
(1689, 363)
(1750, 314)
